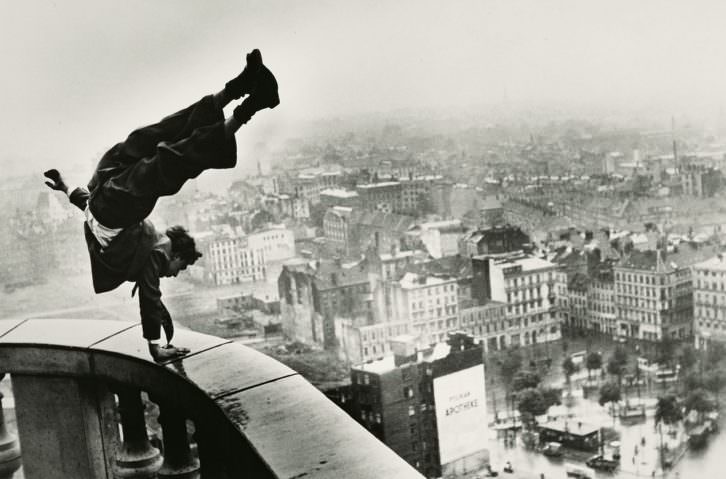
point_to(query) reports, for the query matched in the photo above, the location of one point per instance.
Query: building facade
(429, 406)
(709, 301)
(528, 286)
(429, 303)
(654, 296)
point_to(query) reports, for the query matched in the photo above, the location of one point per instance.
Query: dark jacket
(125, 257)
(138, 254)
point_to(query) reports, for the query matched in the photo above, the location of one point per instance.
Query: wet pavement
(641, 462)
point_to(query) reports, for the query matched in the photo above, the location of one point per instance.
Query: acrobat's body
(156, 161)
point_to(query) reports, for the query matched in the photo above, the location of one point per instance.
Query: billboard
(461, 417)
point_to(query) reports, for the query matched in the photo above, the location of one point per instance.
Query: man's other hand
(56, 181)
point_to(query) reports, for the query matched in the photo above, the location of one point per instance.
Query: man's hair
(182, 245)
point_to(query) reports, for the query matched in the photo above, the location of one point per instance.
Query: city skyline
(96, 70)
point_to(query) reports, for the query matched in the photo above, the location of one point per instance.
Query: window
(411, 410)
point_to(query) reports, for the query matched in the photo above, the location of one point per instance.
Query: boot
(264, 96)
(244, 83)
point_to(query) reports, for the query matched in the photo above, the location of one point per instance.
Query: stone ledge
(267, 418)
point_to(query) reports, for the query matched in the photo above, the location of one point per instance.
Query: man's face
(176, 264)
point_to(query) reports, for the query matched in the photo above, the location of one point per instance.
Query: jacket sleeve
(79, 197)
(153, 312)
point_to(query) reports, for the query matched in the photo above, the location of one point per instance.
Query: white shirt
(103, 235)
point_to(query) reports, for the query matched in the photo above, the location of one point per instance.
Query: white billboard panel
(461, 413)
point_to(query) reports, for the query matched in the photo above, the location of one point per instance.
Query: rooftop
(387, 363)
(339, 193)
(382, 184)
(413, 280)
(685, 257)
(717, 263)
(573, 427)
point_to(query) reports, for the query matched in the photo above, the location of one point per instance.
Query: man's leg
(142, 142)
(131, 190)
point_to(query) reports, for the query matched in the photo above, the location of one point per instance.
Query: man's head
(183, 250)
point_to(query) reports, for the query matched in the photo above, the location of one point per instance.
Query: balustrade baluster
(10, 459)
(136, 457)
(179, 462)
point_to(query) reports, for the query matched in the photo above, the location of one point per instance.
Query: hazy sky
(77, 76)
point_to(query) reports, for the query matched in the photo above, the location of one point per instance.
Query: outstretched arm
(78, 196)
(154, 315)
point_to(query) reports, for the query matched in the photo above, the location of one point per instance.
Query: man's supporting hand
(165, 353)
(56, 181)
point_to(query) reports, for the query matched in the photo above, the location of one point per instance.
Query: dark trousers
(157, 160)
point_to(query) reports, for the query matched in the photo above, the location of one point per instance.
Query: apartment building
(528, 286)
(487, 323)
(428, 405)
(230, 256)
(429, 303)
(654, 293)
(709, 301)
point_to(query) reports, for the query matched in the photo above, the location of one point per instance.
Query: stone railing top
(294, 429)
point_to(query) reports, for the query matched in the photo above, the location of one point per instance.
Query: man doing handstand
(155, 161)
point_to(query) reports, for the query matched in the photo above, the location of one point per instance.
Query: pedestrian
(152, 162)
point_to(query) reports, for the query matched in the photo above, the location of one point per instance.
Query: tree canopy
(715, 379)
(688, 357)
(509, 364)
(609, 393)
(525, 379)
(531, 401)
(698, 400)
(665, 350)
(617, 362)
(715, 354)
(593, 361)
(668, 410)
(568, 367)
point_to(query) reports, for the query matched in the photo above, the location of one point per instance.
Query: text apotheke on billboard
(461, 413)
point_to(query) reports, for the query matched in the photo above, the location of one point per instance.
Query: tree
(610, 394)
(715, 353)
(569, 368)
(525, 379)
(715, 380)
(531, 403)
(698, 400)
(552, 396)
(692, 380)
(617, 362)
(667, 410)
(510, 364)
(593, 361)
(688, 357)
(665, 350)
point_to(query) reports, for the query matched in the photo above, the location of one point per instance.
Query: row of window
(638, 278)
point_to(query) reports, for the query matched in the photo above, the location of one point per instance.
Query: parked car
(579, 472)
(601, 463)
(552, 449)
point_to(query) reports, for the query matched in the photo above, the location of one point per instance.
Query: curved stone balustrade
(76, 382)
